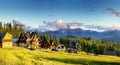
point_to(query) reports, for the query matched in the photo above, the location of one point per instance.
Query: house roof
(28, 34)
(2, 36)
(33, 34)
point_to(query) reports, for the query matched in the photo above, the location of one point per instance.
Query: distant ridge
(113, 35)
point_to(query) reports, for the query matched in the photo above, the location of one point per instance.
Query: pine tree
(57, 41)
(1, 28)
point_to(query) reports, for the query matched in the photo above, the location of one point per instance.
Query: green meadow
(22, 56)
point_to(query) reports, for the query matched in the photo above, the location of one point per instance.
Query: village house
(6, 40)
(73, 46)
(28, 39)
(60, 47)
(48, 44)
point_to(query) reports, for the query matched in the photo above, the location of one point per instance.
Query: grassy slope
(21, 56)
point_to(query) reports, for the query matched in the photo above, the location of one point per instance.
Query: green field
(22, 56)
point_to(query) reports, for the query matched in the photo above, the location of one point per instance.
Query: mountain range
(113, 35)
(75, 29)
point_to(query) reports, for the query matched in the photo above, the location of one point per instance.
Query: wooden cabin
(6, 40)
(73, 46)
(61, 47)
(51, 44)
(28, 39)
(48, 44)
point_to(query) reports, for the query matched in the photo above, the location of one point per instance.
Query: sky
(34, 12)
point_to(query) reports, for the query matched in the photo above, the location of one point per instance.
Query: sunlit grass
(22, 56)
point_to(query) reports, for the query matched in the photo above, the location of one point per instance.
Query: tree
(1, 28)
(47, 36)
(57, 41)
(51, 38)
(16, 31)
(8, 28)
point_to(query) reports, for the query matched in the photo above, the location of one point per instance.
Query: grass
(22, 56)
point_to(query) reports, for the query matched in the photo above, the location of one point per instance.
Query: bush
(32, 48)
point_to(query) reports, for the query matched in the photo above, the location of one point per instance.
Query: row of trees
(14, 30)
(45, 37)
(88, 45)
(94, 46)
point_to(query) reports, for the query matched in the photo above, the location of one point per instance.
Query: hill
(22, 56)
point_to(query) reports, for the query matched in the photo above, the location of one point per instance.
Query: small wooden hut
(6, 40)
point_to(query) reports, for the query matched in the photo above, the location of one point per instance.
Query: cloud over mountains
(59, 24)
(15, 21)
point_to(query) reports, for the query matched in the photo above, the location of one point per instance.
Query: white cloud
(58, 24)
(17, 22)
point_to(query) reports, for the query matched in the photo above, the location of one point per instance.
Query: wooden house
(48, 44)
(73, 46)
(28, 39)
(61, 47)
(6, 40)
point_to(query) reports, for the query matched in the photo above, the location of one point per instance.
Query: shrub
(32, 48)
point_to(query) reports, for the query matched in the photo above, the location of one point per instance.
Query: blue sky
(34, 12)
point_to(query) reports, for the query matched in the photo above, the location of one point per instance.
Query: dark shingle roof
(2, 36)
(27, 35)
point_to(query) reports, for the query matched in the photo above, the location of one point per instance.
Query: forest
(13, 29)
(87, 44)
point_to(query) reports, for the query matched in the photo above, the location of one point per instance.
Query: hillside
(22, 56)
